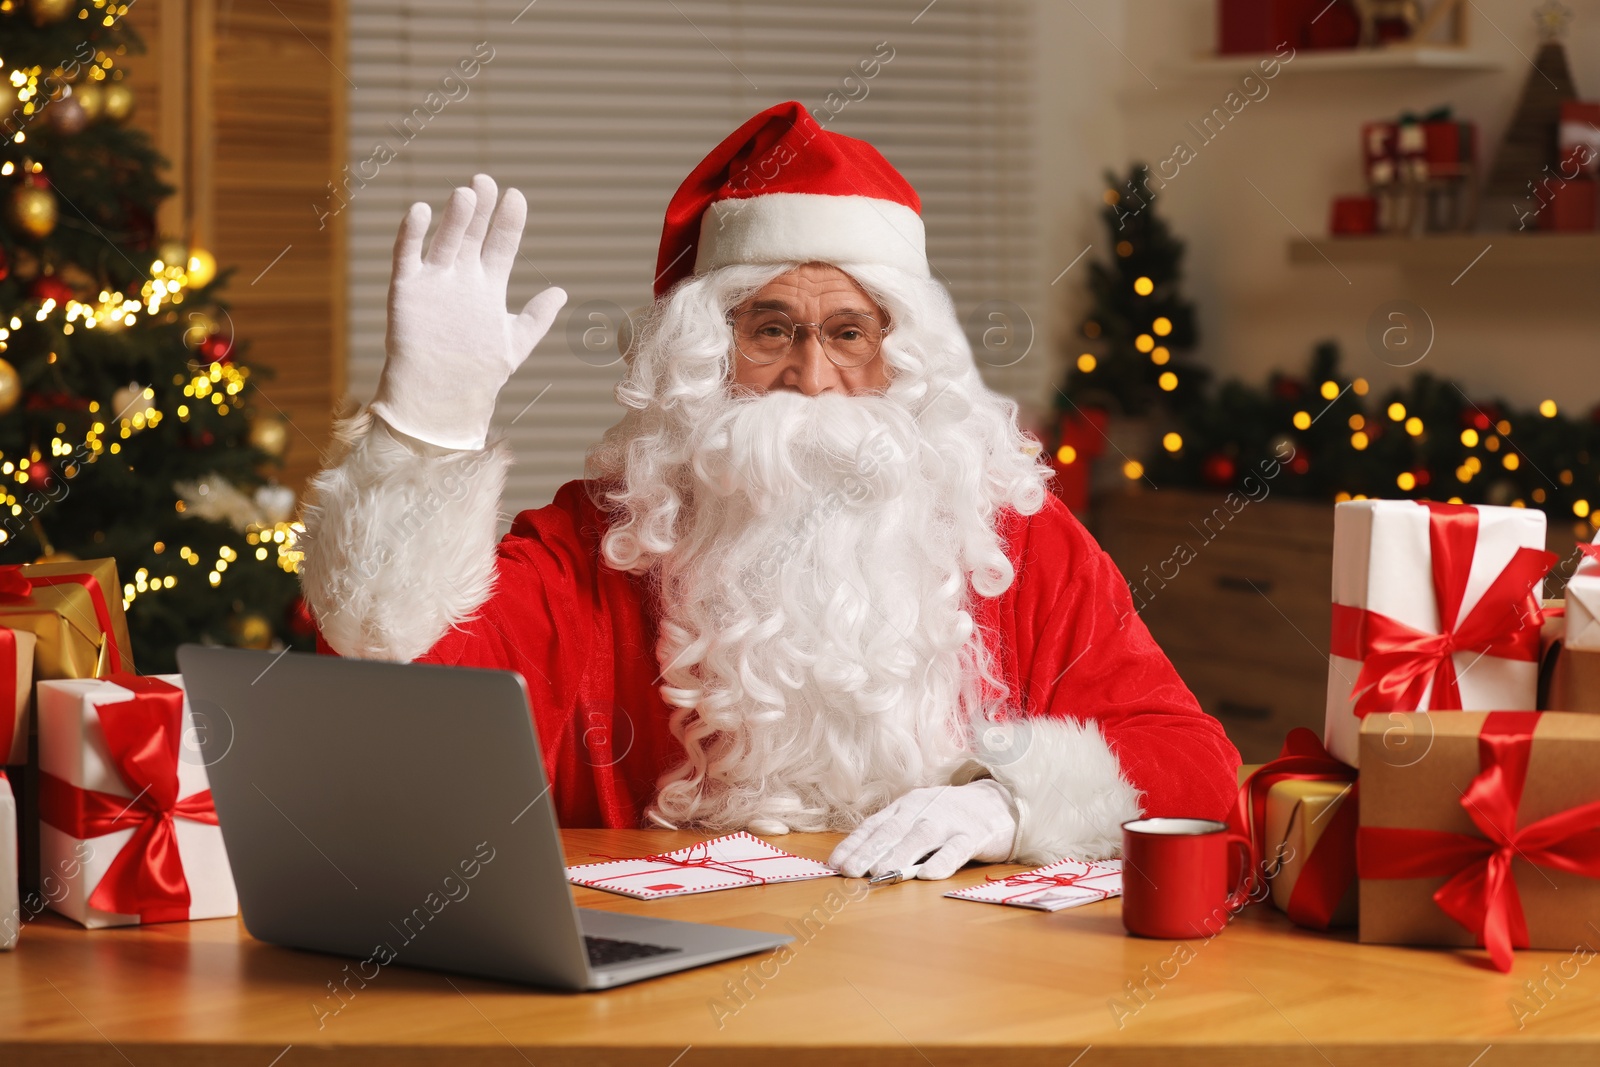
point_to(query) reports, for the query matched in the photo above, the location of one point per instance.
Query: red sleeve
(1082, 655)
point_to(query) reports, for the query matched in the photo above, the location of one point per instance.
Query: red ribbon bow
(142, 735)
(8, 693)
(1481, 894)
(1329, 871)
(13, 585)
(1398, 662)
(1038, 883)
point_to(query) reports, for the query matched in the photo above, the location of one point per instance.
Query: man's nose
(810, 371)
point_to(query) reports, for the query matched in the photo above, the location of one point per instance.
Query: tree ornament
(201, 268)
(270, 434)
(10, 387)
(217, 349)
(5, 264)
(251, 630)
(128, 400)
(197, 327)
(33, 206)
(276, 502)
(173, 253)
(45, 12)
(1219, 470)
(50, 287)
(67, 115)
(91, 98)
(299, 621)
(119, 101)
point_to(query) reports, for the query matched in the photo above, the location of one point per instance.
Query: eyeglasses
(766, 335)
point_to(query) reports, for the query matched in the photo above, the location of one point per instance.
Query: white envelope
(1383, 562)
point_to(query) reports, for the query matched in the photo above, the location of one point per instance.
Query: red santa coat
(1064, 637)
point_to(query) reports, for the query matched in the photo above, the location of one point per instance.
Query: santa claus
(813, 580)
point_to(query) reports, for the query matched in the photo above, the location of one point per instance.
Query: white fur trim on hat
(811, 227)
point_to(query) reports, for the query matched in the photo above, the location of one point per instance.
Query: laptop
(399, 813)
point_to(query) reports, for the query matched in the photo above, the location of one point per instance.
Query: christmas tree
(126, 420)
(1139, 328)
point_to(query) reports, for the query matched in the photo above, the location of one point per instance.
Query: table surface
(889, 976)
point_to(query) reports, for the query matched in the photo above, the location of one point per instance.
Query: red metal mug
(1176, 879)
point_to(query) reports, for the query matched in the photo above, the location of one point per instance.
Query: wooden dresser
(1245, 620)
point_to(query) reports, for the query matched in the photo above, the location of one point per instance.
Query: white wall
(1524, 334)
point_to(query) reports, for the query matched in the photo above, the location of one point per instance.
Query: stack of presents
(104, 778)
(1454, 798)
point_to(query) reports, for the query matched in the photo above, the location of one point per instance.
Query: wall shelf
(1454, 250)
(1403, 57)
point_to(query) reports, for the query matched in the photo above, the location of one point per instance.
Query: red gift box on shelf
(1579, 138)
(1256, 26)
(1484, 832)
(1353, 216)
(127, 823)
(1571, 207)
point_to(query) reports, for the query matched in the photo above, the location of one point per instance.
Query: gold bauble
(252, 631)
(91, 97)
(270, 434)
(47, 11)
(34, 209)
(173, 253)
(202, 268)
(57, 557)
(197, 327)
(118, 102)
(10, 387)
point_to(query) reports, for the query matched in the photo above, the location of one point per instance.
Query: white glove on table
(958, 823)
(451, 344)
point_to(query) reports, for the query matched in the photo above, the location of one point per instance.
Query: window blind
(597, 109)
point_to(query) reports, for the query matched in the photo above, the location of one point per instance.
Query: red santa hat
(782, 188)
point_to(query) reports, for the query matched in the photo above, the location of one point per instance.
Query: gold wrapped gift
(74, 608)
(1297, 814)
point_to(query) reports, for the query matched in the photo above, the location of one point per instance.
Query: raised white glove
(451, 344)
(975, 821)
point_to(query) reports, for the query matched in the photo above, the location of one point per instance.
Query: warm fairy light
(1580, 508)
(1359, 387)
(1359, 441)
(1397, 411)
(1473, 464)
(1330, 390)
(1539, 496)
(1565, 477)
(1172, 442)
(1463, 473)
(1143, 286)
(1302, 420)
(1133, 469)
(1087, 362)
(1144, 342)
(1406, 481)
(1414, 426)
(1504, 427)
(1159, 355)
(1340, 497)
(1357, 422)
(1454, 500)
(1511, 462)
(1547, 408)
(1161, 327)
(1469, 437)
(1065, 455)
(1168, 381)
(1492, 443)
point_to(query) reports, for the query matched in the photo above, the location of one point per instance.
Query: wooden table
(895, 976)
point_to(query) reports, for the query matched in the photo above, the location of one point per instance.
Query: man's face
(811, 293)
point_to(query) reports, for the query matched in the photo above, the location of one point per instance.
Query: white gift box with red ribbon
(128, 831)
(1435, 607)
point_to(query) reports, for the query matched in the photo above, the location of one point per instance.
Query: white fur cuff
(1068, 787)
(400, 540)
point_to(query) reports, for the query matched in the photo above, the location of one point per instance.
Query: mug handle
(1240, 898)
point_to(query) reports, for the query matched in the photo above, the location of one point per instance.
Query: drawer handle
(1236, 583)
(1234, 710)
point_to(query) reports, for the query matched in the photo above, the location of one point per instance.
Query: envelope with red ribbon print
(727, 862)
(127, 828)
(1435, 608)
(1066, 883)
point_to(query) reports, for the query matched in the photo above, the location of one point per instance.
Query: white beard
(814, 633)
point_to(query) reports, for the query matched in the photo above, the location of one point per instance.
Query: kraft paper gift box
(1482, 795)
(1435, 608)
(16, 693)
(10, 895)
(127, 824)
(1574, 682)
(1583, 602)
(1299, 814)
(75, 611)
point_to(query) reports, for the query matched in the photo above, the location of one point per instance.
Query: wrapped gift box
(1583, 603)
(10, 898)
(1299, 814)
(16, 693)
(1484, 794)
(1423, 592)
(75, 611)
(113, 768)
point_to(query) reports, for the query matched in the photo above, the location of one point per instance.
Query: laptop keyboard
(605, 951)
